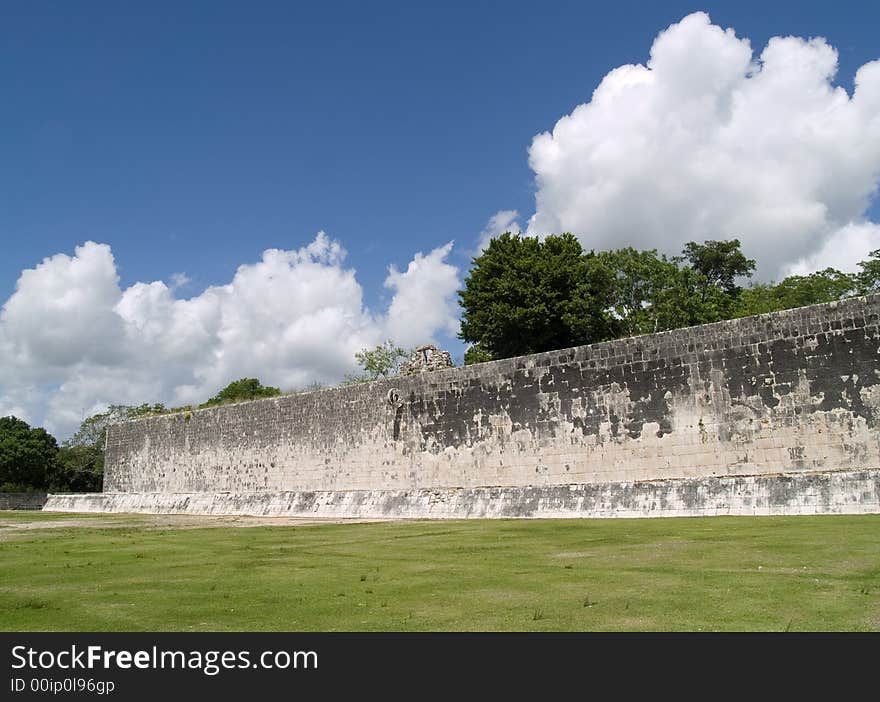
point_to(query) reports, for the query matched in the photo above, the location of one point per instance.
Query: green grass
(772, 573)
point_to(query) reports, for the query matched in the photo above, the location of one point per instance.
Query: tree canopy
(524, 295)
(794, 291)
(27, 455)
(649, 292)
(240, 391)
(379, 362)
(720, 263)
(80, 460)
(867, 281)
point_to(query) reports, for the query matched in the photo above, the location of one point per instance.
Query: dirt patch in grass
(14, 522)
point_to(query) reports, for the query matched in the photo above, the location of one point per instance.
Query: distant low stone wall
(22, 500)
(839, 492)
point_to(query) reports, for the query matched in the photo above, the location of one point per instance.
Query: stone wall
(833, 492)
(790, 392)
(22, 500)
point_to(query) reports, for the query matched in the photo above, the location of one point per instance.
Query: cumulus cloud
(19, 402)
(842, 250)
(708, 141)
(72, 341)
(416, 312)
(61, 312)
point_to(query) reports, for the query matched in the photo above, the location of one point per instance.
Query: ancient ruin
(772, 414)
(426, 358)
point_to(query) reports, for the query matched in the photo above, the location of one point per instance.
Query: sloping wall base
(837, 492)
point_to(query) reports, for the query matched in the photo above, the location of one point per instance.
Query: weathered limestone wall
(789, 392)
(834, 492)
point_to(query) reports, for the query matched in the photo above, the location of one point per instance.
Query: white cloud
(72, 341)
(843, 250)
(423, 301)
(19, 402)
(500, 222)
(179, 280)
(705, 142)
(61, 312)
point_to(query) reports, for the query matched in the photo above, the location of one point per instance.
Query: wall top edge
(775, 319)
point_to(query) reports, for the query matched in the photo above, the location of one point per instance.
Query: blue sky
(190, 137)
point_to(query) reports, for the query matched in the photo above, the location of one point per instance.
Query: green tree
(795, 291)
(240, 391)
(698, 287)
(380, 362)
(93, 430)
(27, 455)
(720, 262)
(476, 354)
(644, 295)
(79, 468)
(523, 295)
(653, 293)
(80, 464)
(692, 300)
(867, 281)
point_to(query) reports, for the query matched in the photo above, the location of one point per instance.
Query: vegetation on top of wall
(524, 295)
(241, 391)
(380, 362)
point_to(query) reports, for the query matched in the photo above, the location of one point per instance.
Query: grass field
(106, 573)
